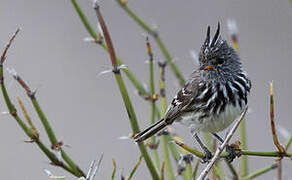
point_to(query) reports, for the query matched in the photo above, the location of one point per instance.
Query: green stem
(52, 137)
(114, 170)
(124, 92)
(45, 122)
(141, 90)
(232, 170)
(134, 124)
(174, 152)
(242, 126)
(265, 153)
(218, 172)
(242, 152)
(188, 170)
(165, 154)
(85, 21)
(243, 163)
(28, 131)
(134, 169)
(173, 66)
(196, 168)
(161, 45)
(288, 143)
(54, 159)
(164, 139)
(152, 103)
(260, 172)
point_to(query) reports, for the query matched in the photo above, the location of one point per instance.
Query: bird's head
(216, 53)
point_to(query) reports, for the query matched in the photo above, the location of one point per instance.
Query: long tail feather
(150, 131)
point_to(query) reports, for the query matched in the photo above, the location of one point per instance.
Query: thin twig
(24, 127)
(279, 172)
(223, 145)
(27, 117)
(157, 38)
(196, 169)
(138, 85)
(124, 93)
(49, 130)
(280, 148)
(260, 172)
(163, 106)
(134, 169)
(3, 56)
(107, 38)
(153, 98)
(114, 170)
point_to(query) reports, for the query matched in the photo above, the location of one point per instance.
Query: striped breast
(217, 104)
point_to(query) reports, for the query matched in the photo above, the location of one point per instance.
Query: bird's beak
(208, 67)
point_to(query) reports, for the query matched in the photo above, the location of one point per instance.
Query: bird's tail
(150, 131)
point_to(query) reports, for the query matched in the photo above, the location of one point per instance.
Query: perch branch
(222, 146)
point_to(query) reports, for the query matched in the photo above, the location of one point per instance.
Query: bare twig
(114, 170)
(223, 145)
(3, 56)
(124, 92)
(280, 148)
(107, 37)
(279, 169)
(134, 168)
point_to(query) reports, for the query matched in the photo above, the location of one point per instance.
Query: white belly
(211, 124)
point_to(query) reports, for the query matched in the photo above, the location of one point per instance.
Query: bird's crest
(208, 44)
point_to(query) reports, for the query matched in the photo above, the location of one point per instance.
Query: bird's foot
(207, 157)
(232, 153)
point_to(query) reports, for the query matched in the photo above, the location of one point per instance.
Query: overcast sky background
(87, 111)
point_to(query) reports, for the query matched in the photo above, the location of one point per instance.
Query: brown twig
(219, 150)
(280, 148)
(3, 56)
(162, 170)
(279, 169)
(107, 38)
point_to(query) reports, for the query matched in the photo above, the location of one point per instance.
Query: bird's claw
(232, 153)
(207, 157)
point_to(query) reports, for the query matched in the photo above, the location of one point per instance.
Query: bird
(213, 96)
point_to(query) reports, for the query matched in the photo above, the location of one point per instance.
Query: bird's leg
(232, 153)
(208, 154)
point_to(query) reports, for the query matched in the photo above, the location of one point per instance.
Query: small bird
(212, 98)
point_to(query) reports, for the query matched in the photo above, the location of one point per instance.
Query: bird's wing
(184, 99)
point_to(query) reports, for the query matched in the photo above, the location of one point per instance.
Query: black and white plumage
(214, 95)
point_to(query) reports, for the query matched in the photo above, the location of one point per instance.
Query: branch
(134, 169)
(160, 43)
(222, 146)
(280, 148)
(163, 106)
(124, 93)
(49, 130)
(24, 127)
(139, 87)
(153, 98)
(3, 56)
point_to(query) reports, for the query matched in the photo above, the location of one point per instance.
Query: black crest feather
(216, 36)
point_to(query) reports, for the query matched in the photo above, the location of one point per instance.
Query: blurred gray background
(87, 111)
